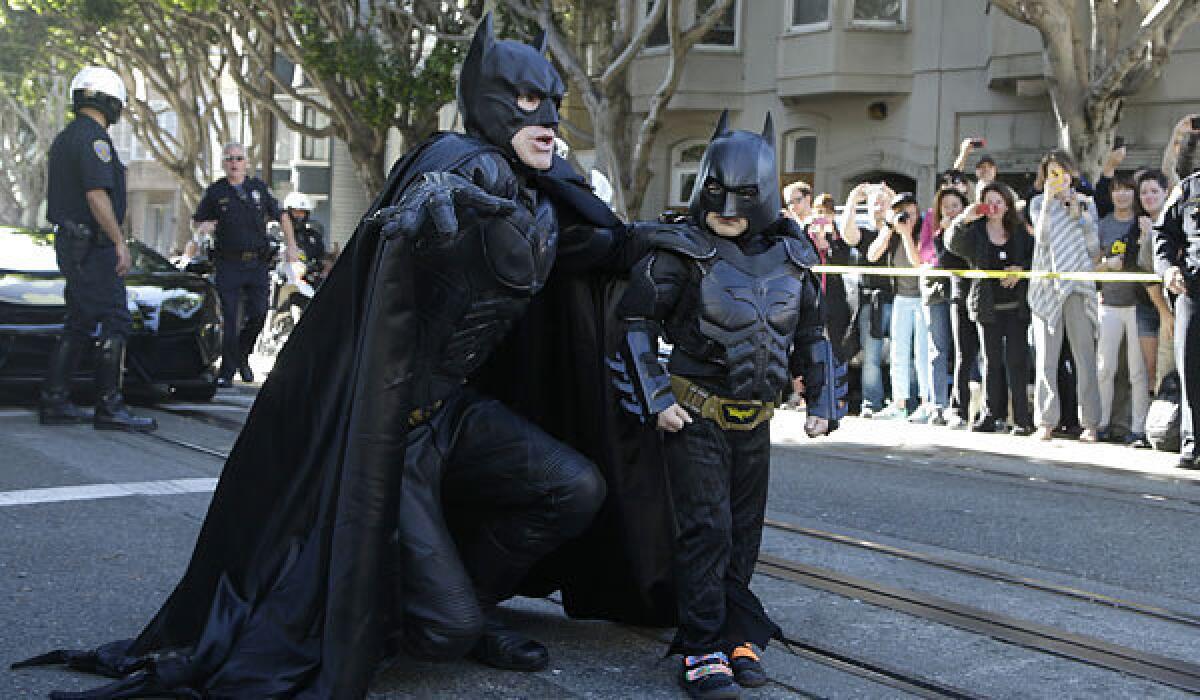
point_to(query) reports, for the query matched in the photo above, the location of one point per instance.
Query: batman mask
(738, 177)
(493, 75)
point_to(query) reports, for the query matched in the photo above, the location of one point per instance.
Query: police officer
(86, 204)
(310, 236)
(1177, 261)
(235, 210)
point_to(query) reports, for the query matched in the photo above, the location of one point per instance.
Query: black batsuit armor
(743, 317)
(419, 482)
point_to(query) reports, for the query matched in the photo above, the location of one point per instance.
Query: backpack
(1163, 418)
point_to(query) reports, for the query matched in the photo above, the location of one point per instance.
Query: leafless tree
(1097, 53)
(595, 46)
(26, 132)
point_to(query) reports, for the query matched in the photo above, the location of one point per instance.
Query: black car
(176, 337)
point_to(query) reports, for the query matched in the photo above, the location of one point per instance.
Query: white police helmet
(297, 200)
(99, 87)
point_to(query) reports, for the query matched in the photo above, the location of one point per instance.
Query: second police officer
(235, 210)
(309, 234)
(85, 200)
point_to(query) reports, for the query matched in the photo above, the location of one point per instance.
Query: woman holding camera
(990, 235)
(953, 336)
(1067, 240)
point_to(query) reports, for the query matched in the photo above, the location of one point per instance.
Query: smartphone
(820, 221)
(978, 143)
(987, 209)
(1118, 142)
(1195, 123)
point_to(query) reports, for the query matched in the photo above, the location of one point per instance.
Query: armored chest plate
(749, 308)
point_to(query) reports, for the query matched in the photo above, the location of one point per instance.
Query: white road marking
(90, 492)
(14, 412)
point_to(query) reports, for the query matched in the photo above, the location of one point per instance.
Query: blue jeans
(910, 340)
(941, 351)
(872, 366)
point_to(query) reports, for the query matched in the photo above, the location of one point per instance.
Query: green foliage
(386, 83)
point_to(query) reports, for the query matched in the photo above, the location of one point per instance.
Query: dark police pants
(238, 281)
(719, 491)
(95, 295)
(486, 495)
(1187, 360)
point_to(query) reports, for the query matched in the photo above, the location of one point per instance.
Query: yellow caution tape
(988, 274)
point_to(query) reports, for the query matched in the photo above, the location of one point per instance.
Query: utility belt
(730, 414)
(76, 232)
(261, 255)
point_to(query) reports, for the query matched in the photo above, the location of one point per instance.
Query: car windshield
(26, 250)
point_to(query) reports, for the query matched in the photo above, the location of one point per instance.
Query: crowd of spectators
(1051, 356)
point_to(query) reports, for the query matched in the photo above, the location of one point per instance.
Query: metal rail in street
(1159, 669)
(959, 566)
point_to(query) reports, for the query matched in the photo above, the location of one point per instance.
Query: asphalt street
(99, 526)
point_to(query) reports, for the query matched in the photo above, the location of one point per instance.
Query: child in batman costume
(405, 501)
(735, 297)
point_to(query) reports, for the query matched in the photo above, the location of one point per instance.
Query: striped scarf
(1063, 244)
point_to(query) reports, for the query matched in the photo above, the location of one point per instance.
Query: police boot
(54, 405)
(502, 647)
(111, 411)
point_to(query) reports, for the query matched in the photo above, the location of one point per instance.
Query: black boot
(503, 647)
(111, 411)
(55, 406)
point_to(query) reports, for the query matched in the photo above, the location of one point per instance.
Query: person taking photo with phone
(991, 235)
(1067, 240)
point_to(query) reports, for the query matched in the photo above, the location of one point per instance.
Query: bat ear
(483, 40)
(768, 132)
(722, 125)
(541, 42)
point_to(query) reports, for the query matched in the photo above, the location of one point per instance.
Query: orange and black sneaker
(708, 677)
(747, 669)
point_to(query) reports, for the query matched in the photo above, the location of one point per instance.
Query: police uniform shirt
(241, 213)
(82, 158)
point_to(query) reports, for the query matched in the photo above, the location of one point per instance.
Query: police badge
(103, 150)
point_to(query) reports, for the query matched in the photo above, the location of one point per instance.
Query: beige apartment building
(881, 89)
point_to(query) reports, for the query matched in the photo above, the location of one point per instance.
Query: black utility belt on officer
(243, 255)
(729, 414)
(79, 232)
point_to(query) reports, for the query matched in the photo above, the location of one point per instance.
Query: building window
(685, 164)
(801, 156)
(723, 33)
(810, 13)
(314, 148)
(878, 13)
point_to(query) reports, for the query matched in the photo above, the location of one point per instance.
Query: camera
(1195, 123)
(978, 143)
(902, 217)
(1118, 142)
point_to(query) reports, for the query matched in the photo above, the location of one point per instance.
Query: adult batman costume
(326, 544)
(736, 298)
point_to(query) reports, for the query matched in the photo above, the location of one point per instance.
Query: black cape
(285, 592)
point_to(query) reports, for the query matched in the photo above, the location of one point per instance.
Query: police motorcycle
(293, 284)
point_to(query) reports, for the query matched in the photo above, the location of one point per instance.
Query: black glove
(436, 198)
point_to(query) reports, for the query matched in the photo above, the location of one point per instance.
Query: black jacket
(1177, 233)
(970, 242)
